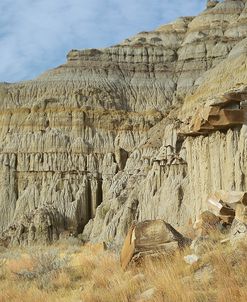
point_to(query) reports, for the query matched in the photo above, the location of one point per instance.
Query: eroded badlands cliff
(107, 138)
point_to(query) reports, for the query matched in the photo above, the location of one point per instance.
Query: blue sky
(36, 35)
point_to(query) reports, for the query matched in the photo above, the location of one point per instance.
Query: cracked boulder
(151, 238)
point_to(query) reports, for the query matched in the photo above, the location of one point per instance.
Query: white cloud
(36, 34)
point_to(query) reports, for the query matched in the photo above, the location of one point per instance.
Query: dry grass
(94, 275)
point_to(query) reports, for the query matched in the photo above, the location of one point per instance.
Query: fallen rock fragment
(191, 259)
(238, 231)
(221, 208)
(229, 215)
(225, 201)
(206, 223)
(151, 238)
(225, 205)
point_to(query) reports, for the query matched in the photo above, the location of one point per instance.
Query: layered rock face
(100, 139)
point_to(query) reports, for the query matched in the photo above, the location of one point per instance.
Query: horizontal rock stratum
(100, 140)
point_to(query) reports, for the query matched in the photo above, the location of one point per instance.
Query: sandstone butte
(142, 130)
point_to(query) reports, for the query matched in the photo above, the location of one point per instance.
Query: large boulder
(151, 237)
